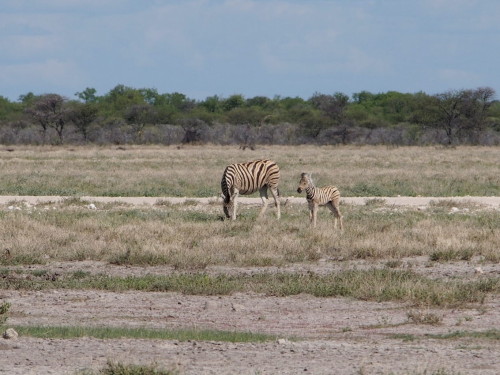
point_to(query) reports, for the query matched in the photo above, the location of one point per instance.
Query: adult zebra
(247, 178)
(328, 195)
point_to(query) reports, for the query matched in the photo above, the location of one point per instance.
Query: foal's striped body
(324, 196)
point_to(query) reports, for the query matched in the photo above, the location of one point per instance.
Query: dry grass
(188, 236)
(191, 237)
(196, 170)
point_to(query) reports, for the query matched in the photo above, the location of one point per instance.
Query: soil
(313, 335)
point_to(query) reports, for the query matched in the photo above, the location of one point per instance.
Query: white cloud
(457, 77)
(26, 46)
(49, 73)
(224, 46)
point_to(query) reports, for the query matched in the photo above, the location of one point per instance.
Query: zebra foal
(247, 178)
(328, 195)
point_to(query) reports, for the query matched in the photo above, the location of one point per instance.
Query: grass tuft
(419, 317)
(450, 255)
(117, 368)
(374, 284)
(492, 334)
(69, 332)
(4, 312)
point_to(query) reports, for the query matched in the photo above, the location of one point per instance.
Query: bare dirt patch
(313, 335)
(335, 335)
(491, 202)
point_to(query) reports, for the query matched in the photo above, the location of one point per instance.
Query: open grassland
(193, 236)
(378, 285)
(176, 286)
(195, 171)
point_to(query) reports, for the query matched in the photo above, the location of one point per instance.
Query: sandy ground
(336, 335)
(492, 202)
(314, 335)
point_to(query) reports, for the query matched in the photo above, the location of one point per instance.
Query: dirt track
(336, 335)
(493, 202)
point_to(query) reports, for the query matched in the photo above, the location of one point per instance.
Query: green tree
(9, 111)
(178, 101)
(459, 112)
(212, 104)
(28, 98)
(333, 106)
(118, 100)
(139, 115)
(83, 115)
(234, 101)
(258, 101)
(494, 115)
(246, 115)
(49, 111)
(150, 96)
(88, 95)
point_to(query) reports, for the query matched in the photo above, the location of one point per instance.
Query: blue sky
(251, 47)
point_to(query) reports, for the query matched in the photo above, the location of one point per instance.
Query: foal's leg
(334, 207)
(311, 210)
(314, 213)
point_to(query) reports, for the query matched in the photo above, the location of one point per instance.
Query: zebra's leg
(334, 207)
(235, 203)
(263, 196)
(276, 197)
(311, 209)
(341, 225)
(315, 214)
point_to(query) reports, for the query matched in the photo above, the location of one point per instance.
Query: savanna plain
(120, 286)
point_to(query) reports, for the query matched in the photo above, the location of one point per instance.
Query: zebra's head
(305, 182)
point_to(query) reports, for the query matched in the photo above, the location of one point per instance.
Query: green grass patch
(404, 336)
(492, 334)
(4, 312)
(450, 255)
(375, 285)
(70, 332)
(118, 368)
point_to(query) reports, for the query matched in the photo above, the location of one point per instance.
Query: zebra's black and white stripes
(247, 178)
(328, 195)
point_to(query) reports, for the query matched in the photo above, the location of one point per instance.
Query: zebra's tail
(281, 199)
(225, 189)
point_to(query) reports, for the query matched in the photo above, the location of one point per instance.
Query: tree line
(127, 115)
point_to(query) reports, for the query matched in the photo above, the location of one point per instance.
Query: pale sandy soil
(336, 335)
(493, 202)
(314, 335)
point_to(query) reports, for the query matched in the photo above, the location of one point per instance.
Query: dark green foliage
(130, 115)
